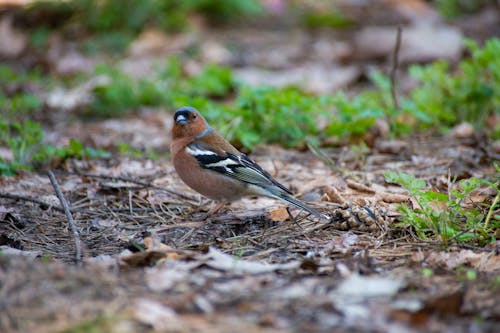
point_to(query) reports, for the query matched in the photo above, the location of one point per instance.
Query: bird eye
(194, 116)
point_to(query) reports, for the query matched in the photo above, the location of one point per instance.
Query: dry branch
(29, 199)
(134, 181)
(69, 216)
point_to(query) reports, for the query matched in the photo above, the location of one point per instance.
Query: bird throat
(205, 132)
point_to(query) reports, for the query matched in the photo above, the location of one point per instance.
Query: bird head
(188, 122)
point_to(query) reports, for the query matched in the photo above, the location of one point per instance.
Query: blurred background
(385, 114)
(91, 72)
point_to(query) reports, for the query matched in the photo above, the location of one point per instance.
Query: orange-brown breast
(209, 183)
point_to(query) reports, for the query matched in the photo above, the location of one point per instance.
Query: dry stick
(28, 199)
(135, 181)
(395, 64)
(67, 211)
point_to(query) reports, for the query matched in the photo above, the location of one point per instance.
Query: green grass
(448, 217)
(446, 97)
(249, 116)
(17, 96)
(25, 140)
(457, 8)
(254, 115)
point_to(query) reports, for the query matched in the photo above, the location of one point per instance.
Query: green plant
(21, 139)
(125, 149)
(49, 153)
(18, 97)
(454, 8)
(213, 81)
(353, 116)
(265, 114)
(223, 10)
(122, 94)
(113, 42)
(252, 115)
(471, 94)
(129, 17)
(24, 103)
(451, 217)
(24, 139)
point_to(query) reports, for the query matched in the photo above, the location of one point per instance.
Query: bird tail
(288, 198)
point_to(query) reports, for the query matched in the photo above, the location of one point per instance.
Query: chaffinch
(210, 165)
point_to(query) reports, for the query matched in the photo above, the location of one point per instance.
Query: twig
(395, 64)
(67, 211)
(132, 180)
(29, 199)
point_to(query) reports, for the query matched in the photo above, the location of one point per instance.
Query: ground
(249, 268)
(143, 259)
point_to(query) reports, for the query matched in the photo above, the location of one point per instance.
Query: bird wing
(239, 167)
(243, 169)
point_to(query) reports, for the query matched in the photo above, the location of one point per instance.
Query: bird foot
(211, 212)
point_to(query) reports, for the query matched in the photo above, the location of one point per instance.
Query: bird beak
(181, 119)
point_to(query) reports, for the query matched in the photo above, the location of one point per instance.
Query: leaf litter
(148, 260)
(151, 265)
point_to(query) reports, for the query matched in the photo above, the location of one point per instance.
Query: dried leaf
(332, 195)
(225, 262)
(359, 187)
(143, 259)
(368, 286)
(279, 214)
(480, 261)
(153, 243)
(156, 315)
(341, 244)
(165, 277)
(393, 197)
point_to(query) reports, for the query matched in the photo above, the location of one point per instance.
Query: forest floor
(149, 263)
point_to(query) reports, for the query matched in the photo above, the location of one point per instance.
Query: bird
(213, 167)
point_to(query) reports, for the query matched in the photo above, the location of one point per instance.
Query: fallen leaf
(154, 244)
(418, 312)
(9, 251)
(359, 187)
(143, 259)
(166, 276)
(482, 262)
(368, 286)
(392, 146)
(156, 315)
(447, 304)
(393, 197)
(341, 243)
(218, 260)
(462, 131)
(332, 195)
(104, 223)
(353, 294)
(279, 214)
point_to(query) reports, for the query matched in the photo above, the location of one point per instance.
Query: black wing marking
(237, 167)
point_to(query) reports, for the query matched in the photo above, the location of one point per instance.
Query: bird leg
(214, 209)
